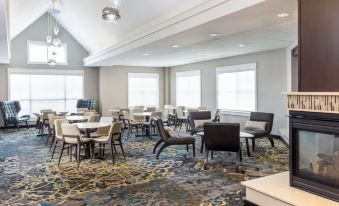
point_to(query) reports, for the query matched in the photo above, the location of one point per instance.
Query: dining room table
(91, 126)
(77, 118)
(242, 135)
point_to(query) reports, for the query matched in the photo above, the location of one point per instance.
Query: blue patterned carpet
(28, 176)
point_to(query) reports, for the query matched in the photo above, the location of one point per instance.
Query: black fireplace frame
(316, 122)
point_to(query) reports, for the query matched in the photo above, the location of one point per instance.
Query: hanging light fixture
(52, 38)
(112, 13)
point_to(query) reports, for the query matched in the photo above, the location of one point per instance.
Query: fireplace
(314, 153)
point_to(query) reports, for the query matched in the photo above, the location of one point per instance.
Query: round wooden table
(76, 118)
(242, 135)
(88, 126)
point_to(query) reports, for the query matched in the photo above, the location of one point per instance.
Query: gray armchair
(205, 115)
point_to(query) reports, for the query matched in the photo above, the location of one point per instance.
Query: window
(40, 89)
(188, 88)
(39, 53)
(236, 88)
(143, 89)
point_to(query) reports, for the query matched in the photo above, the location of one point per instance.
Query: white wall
(37, 32)
(113, 85)
(272, 80)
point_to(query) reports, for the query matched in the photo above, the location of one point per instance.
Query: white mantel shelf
(275, 190)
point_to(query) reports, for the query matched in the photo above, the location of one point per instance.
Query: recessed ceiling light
(214, 34)
(283, 14)
(175, 46)
(242, 45)
(145, 54)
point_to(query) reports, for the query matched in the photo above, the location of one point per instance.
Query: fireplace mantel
(323, 102)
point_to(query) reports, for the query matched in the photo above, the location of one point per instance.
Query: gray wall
(37, 32)
(113, 85)
(271, 81)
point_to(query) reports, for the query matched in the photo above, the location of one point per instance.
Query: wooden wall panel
(319, 45)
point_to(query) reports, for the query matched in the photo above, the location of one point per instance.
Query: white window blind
(188, 88)
(236, 88)
(45, 89)
(39, 53)
(143, 89)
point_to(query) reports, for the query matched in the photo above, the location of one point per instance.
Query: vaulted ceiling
(149, 28)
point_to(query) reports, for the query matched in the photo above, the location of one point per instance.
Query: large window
(143, 89)
(188, 88)
(41, 89)
(236, 88)
(39, 53)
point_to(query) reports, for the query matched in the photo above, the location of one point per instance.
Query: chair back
(202, 108)
(137, 118)
(222, 136)
(57, 127)
(180, 112)
(126, 115)
(106, 119)
(205, 115)
(94, 118)
(10, 110)
(86, 103)
(151, 109)
(70, 130)
(45, 110)
(89, 113)
(160, 127)
(50, 118)
(115, 130)
(263, 117)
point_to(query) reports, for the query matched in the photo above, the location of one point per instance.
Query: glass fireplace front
(314, 153)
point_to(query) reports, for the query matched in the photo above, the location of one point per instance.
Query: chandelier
(52, 39)
(112, 13)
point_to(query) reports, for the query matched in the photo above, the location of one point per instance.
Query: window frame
(188, 73)
(41, 43)
(157, 75)
(234, 69)
(43, 72)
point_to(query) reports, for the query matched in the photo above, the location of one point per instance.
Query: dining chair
(51, 128)
(202, 108)
(71, 137)
(58, 133)
(44, 121)
(150, 124)
(151, 109)
(94, 118)
(112, 138)
(135, 117)
(103, 131)
(180, 118)
(89, 113)
(131, 123)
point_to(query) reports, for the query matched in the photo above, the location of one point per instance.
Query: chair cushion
(170, 131)
(101, 139)
(182, 139)
(69, 140)
(255, 125)
(200, 122)
(255, 133)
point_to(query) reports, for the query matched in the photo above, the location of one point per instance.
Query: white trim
(29, 42)
(189, 73)
(238, 68)
(143, 75)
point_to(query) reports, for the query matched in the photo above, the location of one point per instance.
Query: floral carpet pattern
(28, 176)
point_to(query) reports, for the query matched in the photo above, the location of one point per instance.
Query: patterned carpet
(28, 176)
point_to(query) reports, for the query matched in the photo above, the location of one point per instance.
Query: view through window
(143, 89)
(188, 88)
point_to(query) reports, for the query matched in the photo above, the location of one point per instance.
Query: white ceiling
(82, 18)
(152, 26)
(257, 27)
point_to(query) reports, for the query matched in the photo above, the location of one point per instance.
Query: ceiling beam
(196, 16)
(5, 42)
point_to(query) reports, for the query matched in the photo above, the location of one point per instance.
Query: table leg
(88, 151)
(202, 144)
(248, 148)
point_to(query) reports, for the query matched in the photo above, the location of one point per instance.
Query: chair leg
(156, 145)
(161, 149)
(238, 161)
(248, 147)
(253, 144)
(271, 140)
(122, 149)
(206, 158)
(202, 144)
(112, 153)
(212, 153)
(26, 122)
(187, 148)
(78, 155)
(54, 146)
(193, 149)
(61, 151)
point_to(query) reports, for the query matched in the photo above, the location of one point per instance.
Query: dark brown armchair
(222, 137)
(168, 141)
(260, 117)
(205, 115)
